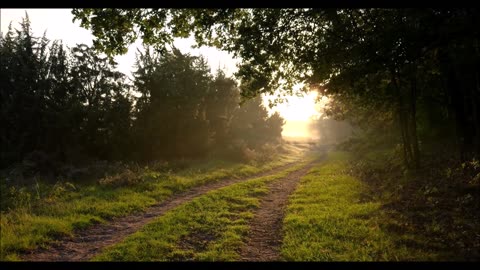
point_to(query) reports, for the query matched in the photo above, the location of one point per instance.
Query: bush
(248, 155)
(125, 178)
(266, 153)
(236, 150)
(13, 197)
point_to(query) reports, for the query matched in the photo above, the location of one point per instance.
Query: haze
(297, 111)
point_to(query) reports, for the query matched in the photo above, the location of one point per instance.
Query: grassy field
(38, 218)
(209, 228)
(333, 217)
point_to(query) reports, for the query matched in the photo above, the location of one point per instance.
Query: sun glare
(298, 113)
(299, 108)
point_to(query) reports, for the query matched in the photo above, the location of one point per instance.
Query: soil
(87, 243)
(265, 236)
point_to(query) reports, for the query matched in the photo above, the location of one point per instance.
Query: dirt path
(265, 236)
(89, 242)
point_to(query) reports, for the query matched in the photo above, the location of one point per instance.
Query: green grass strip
(31, 226)
(209, 228)
(327, 220)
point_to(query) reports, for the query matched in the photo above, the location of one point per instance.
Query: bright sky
(298, 113)
(58, 25)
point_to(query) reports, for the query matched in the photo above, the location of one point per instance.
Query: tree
(71, 105)
(104, 114)
(184, 112)
(221, 102)
(371, 56)
(171, 120)
(59, 102)
(30, 78)
(249, 123)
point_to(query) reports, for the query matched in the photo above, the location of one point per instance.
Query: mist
(329, 131)
(304, 135)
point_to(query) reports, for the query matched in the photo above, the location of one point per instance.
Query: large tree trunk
(413, 123)
(457, 103)
(403, 119)
(403, 131)
(457, 100)
(476, 99)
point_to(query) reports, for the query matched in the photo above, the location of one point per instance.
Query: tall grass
(34, 221)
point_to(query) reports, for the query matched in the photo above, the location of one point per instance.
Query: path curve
(89, 242)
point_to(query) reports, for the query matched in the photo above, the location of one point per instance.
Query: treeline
(71, 105)
(413, 72)
(331, 131)
(410, 72)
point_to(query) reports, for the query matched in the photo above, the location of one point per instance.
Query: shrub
(125, 178)
(266, 153)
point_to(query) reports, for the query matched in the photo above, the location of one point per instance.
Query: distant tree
(331, 131)
(249, 123)
(105, 111)
(274, 126)
(222, 101)
(171, 116)
(184, 112)
(72, 105)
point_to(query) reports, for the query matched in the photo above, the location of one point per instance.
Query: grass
(209, 228)
(34, 223)
(435, 207)
(331, 217)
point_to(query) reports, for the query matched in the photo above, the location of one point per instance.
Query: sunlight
(181, 156)
(298, 112)
(299, 108)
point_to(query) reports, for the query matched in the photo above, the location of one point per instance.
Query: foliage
(171, 119)
(59, 102)
(125, 178)
(183, 111)
(402, 63)
(331, 131)
(438, 202)
(63, 106)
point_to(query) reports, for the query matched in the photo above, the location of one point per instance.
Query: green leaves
(74, 97)
(184, 112)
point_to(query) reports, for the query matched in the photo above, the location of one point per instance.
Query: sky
(58, 24)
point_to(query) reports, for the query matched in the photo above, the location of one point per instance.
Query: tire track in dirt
(264, 239)
(91, 241)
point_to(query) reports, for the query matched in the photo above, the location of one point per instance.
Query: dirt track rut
(265, 236)
(91, 241)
